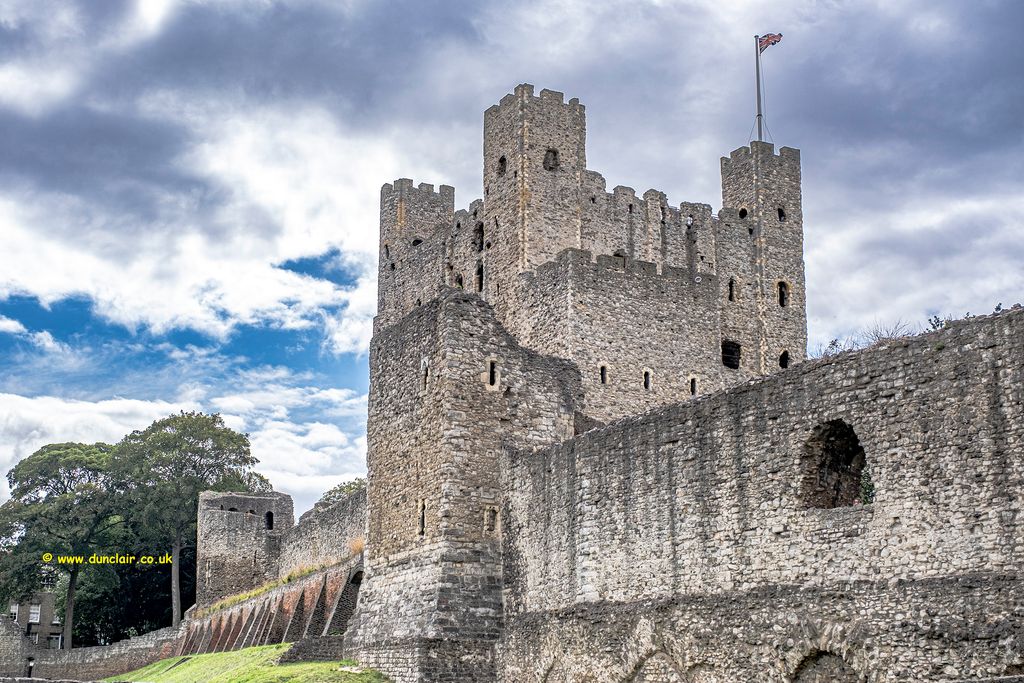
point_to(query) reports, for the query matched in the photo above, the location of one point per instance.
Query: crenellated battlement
(548, 234)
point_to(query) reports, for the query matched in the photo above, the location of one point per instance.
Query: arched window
(387, 252)
(502, 166)
(731, 354)
(478, 236)
(784, 360)
(732, 289)
(782, 214)
(480, 276)
(647, 380)
(693, 386)
(551, 160)
(492, 373)
(604, 374)
(269, 520)
(783, 294)
(835, 470)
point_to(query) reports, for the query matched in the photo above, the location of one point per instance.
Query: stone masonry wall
(325, 535)
(713, 498)
(239, 541)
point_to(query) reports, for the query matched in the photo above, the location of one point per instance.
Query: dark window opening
(417, 242)
(604, 375)
(783, 294)
(731, 353)
(423, 518)
(269, 519)
(784, 360)
(732, 289)
(551, 160)
(834, 468)
(232, 509)
(782, 214)
(502, 166)
(387, 252)
(631, 208)
(478, 236)
(647, 380)
(743, 213)
(480, 277)
(593, 200)
(492, 373)
(693, 386)
(419, 302)
(750, 230)
(458, 281)
(392, 266)
(426, 375)
(491, 520)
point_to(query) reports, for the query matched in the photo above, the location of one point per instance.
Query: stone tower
(544, 309)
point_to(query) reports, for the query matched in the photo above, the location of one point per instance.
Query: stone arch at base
(824, 667)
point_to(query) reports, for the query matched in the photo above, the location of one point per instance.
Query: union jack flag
(767, 40)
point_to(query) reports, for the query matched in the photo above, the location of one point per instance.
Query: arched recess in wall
(656, 668)
(834, 468)
(703, 673)
(824, 667)
(346, 605)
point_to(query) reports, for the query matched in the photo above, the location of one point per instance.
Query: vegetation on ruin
(251, 665)
(237, 598)
(78, 499)
(341, 491)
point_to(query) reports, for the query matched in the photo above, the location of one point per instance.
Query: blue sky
(188, 189)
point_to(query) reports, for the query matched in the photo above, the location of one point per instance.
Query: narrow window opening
(232, 509)
(480, 277)
(647, 380)
(392, 266)
(425, 373)
(743, 213)
(551, 160)
(387, 252)
(269, 518)
(491, 520)
(732, 289)
(731, 353)
(783, 294)
(631, 208)
(782, 214)
(478, 236)
(604, 375)
(458, 281)
(593, 200)
(417, 242)
(693, 386)
(835, 470)
(502, 166)
(423, 518)
(784, 360)
(750, 230)
(492, 373)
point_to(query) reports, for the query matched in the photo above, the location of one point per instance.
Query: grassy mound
(251, 665)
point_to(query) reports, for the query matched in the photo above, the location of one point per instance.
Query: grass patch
(237, 598)
(251, 665)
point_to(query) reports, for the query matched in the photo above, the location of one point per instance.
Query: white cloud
(28, 423)
(10, 326)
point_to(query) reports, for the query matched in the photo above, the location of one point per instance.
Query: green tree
(63, 503)
(168, 464)
(333, 495)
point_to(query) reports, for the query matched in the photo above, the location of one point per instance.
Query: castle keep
(596, 452)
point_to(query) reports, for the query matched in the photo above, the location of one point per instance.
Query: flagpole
(757, 62)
